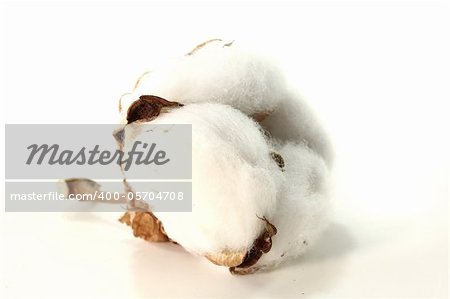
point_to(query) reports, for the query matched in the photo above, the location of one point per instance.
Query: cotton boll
(301, 212)
(234, 179)
(218, 72)
(240, 192)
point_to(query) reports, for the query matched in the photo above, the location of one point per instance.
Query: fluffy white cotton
(301, 212)
(234, 75)
(234, 179)
(294, 121)
(219, 73)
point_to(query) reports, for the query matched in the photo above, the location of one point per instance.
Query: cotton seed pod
(260, 159)
(276, 134)
(235, 181)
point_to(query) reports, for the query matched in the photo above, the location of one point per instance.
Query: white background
(376, 72)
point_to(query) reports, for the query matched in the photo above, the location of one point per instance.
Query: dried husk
(145, 225)
(227, 258)
(199, 46)
(261, 245)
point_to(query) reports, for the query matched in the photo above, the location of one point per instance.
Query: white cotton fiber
(234, 179)
(220, 73)
(301, 212)
(294, 121)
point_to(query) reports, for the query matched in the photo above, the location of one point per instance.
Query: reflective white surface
(377, 74)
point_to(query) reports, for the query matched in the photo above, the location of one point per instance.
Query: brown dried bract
(145, 225)
(199, 46)
(148, 107)
(262, 245)
(227, 258)
(136, 84)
